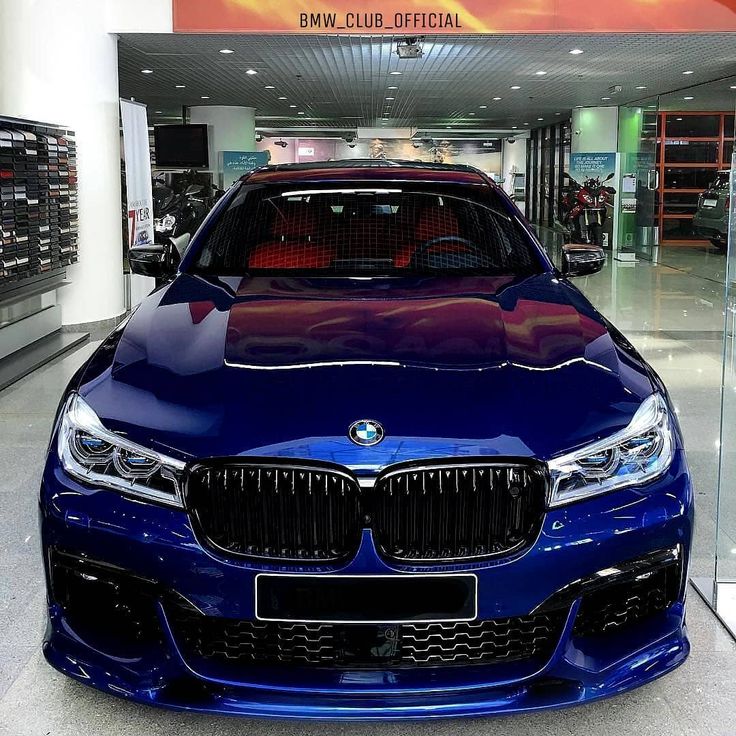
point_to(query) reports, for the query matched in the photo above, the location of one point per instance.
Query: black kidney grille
(230, 641)
(453, 512)
(272, 511)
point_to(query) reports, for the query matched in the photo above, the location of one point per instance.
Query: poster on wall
(591, 175)
(139, 196)
(451, 16)
(237, 163)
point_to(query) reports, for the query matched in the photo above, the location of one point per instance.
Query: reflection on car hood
(276, 366)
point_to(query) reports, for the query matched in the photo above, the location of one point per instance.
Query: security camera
(281, 144)
(350, 138)
(351, 144)
(511, 140)
(417, 144)
(259, 137)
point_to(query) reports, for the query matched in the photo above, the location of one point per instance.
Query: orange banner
(409, 17)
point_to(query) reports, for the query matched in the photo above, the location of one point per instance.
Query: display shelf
(38, 199)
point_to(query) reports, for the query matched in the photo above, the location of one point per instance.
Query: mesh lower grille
(357, 645)
(624, 604)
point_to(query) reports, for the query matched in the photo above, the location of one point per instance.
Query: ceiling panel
(343, 81)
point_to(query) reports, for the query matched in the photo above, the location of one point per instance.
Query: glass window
(680, 204)
(678, 229)
(727, 152)
(728, 126)
(373, 227)
(681, 151)
(687, 178)
(693, 126)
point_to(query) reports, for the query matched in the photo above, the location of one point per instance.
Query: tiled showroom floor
(673, 313)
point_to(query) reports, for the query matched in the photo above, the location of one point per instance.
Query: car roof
(368, 169)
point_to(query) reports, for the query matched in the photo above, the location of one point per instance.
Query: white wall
(594, 130)
(137, 16)
(58, 64)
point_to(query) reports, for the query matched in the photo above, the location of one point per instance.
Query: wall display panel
(38, 200)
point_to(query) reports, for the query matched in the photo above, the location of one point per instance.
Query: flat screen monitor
(181, 146)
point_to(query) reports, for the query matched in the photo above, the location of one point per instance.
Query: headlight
(637, 454)
(98, 456)
(164, 224)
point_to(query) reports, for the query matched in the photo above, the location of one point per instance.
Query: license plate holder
(366, 599)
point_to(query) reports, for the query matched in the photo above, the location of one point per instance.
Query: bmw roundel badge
(366, 432)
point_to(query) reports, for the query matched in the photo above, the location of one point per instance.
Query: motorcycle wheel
(595, 234)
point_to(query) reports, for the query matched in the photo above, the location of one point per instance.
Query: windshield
(391, 229)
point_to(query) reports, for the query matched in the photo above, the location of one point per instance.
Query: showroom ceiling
(347, 81)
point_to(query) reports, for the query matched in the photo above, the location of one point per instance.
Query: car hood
(275, 366)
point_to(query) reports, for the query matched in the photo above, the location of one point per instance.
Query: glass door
(717, 219)
(637, 233)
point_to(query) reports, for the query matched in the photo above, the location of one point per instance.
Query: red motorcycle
(585, 209)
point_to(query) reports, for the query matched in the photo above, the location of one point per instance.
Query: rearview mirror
(154, 259)
(581, 259)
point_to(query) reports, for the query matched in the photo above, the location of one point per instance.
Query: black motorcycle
(176, 213)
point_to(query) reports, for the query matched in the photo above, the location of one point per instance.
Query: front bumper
(154, 550)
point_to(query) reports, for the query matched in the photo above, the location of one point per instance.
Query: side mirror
(154, 259)
(582, 260)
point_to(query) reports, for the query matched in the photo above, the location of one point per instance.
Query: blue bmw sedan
(367, 453)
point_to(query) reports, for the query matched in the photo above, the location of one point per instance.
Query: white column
(229, 128)
(59, 65)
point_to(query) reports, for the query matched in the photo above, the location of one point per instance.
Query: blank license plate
(365, 598)
(710, 202)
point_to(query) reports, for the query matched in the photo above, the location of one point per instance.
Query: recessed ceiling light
(292, 105)
(146, 71)
(204, 97)
(540, 73)
(733, 86)
(384, 120)
(575, 52)
(180, 86)
(679, 119)
(526, 123)
(578, 107)
(471, 113)
(395, 74)
(688, 98)
(283, 98)
(390, 98)
(515, 86)
(301, 112)
(496, 99)
(641, 86)
(558, 113)
(393, 86)
(689, 72)
(514, 127)
(605, 98)
(540, 119)
(251, 72)
(159, 112)
(269, 86)
(482, 107)
(226, 51)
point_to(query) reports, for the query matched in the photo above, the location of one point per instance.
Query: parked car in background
(711, 217)
(368, 454)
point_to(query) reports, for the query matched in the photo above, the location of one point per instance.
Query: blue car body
(468, 369)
